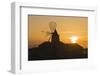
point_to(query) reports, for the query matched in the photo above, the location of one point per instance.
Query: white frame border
(16, 30)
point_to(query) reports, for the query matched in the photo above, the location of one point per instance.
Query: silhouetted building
(55, 39)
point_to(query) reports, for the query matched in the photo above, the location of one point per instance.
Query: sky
(67, 28)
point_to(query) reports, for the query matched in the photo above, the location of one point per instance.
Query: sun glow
(74, 39)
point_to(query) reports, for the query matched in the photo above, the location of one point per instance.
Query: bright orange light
(74, 39)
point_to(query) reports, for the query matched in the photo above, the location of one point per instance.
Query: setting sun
(74, 39)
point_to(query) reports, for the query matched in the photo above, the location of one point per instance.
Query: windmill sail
(52, 26)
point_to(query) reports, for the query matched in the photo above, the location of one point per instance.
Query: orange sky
(67, 26)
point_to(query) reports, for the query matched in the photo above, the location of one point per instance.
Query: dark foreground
(64, 51)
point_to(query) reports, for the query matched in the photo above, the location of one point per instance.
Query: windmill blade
(52, 26)
(49, 38)
(47, 33)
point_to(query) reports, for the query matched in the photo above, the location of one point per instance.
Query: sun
(74, 39)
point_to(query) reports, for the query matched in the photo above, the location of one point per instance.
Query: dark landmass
(46, 51)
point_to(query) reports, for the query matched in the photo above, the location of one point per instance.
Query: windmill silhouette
(53, 35)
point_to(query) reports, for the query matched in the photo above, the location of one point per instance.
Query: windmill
(52, 26)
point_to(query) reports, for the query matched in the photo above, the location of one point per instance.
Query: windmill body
(55, 39)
